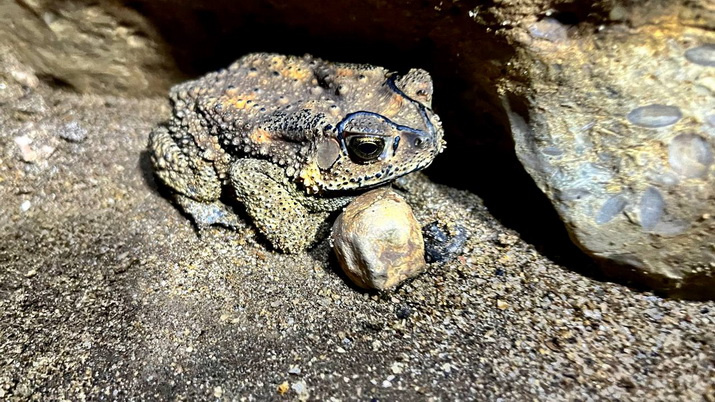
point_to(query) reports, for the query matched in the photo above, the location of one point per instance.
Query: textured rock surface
(378, 241)
(88, 46)
(616, 127)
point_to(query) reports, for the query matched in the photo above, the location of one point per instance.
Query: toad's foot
(205, 214)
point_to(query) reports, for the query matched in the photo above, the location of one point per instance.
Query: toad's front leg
(195, 183)
(274, 204)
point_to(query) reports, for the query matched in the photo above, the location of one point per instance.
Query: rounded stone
(611, 208)
(378, 241)
(549, 29)
(654, 116)
(703, 55)
(652, 207)
(690, 155)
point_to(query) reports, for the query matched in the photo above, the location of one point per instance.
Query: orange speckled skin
(293, 133)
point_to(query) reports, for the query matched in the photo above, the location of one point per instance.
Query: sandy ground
(107, 292)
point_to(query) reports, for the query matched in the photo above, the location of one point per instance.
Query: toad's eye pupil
(366, 148)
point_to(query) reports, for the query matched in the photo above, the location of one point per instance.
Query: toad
(292, 139)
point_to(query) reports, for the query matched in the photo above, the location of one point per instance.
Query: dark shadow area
(56, 82)
(480, 158)
(151, 181)
(464, 58)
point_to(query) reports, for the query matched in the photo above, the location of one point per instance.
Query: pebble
(442, 244)
(549, 29)
(378, 241)
(690, 155)
(703, 55)
(652, 207)
(611, 208)
(73, 132)
(25, 206)
(31, 154)
(283, 387)
(218, 392)
(301, 389)
(655, 116)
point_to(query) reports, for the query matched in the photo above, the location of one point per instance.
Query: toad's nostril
(421, 142)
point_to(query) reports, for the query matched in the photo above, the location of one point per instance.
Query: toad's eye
(365, 148)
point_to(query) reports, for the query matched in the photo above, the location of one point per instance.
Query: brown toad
(293, 139)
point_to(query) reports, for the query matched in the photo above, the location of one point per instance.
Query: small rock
(654, 116)
(295, 370)
(447, 368)
(549, 29)
(403, 312)
(378, 241)
(283, 387)
(26, 152)
(652, 207)
(72, 131)
(611, 208)
(31, 154)
(690, 155)
(301, 389)
(703, 55)
(25, 206)
(442, 244)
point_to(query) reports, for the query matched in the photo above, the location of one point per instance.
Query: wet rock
(616, 129)
(378, 241)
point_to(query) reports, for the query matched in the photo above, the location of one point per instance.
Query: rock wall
(617, 127)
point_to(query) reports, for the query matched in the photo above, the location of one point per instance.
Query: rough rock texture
(378, 241)
(617, 128)
(87, 46)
